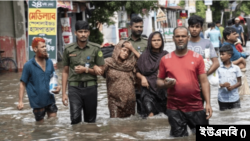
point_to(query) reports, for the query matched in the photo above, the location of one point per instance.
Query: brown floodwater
(21, 126)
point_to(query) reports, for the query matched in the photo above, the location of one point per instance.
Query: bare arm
(205, 87)
(82, 69)
(238, 84)
(163, 84)
(65, 75)
(214, 66)
(132, 49)
(21, 93)
(144, 81)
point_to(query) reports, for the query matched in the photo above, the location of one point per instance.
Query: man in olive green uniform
(79, 60)
(138, 42)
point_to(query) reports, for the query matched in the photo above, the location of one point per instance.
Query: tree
(243, 6)
(105, 9)
(215, 8)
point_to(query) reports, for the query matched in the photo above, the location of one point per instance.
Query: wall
(12, 31)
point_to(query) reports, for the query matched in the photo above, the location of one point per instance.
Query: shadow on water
(21, 125)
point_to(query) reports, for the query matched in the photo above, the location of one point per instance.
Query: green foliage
(105, 9)
(182, 3)
(200, 9)
(217, 7)
(243, 6)
(96, 36)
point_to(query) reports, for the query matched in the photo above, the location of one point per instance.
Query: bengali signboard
(192, 8)
(42, 22)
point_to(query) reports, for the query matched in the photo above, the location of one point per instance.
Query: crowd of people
(141, 74)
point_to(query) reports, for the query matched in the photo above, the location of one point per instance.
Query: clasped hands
(227, 85)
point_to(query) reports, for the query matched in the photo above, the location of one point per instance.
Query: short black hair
(135, 19)
(195, 19)
(180, 28)
(227, 31)
(227, 48)
(81, 25)
(217, 22)
(209, 25)
(229, 22)
(212, 24)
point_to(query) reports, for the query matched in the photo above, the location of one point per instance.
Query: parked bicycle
(7, 63)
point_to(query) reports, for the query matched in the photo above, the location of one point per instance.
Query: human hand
(169, 83)
(98, 70)
(20, 105)
(226, 84)
(79, 69)
(129, 46)
(230, 88)
(65, 100)
(56, 89)
(144, 82)
(209, 111)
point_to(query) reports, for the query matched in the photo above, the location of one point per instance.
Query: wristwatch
(87, 69)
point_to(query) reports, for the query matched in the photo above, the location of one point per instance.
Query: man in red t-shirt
(184, 104)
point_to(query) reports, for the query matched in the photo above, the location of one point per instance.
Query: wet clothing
(229, 105)
(229, 75)
(120, 79)
(179, 121)
(236, 54)
(200, 47)
(82, 99)
(41, 112)
(148, 65)
(185, 95)
(74, 56)
(141, 42)
(37, 83)
(140, 45)
(82, 88)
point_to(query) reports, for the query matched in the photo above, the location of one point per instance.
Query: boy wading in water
(230, 80)
(35, 78)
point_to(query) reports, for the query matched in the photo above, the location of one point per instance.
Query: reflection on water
(21, 125)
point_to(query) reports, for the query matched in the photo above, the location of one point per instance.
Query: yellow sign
(161, 16)
(42, 21)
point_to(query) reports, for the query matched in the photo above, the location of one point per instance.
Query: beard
(237, 24)
(136, 34)
(181, 47)
(41, 55)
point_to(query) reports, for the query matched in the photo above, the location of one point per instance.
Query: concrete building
(13, 31)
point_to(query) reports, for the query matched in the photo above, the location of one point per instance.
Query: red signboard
(123, 33)
(179, 21)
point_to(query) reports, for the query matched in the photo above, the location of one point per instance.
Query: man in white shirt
(208, 29)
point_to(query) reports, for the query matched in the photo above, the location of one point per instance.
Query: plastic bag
(214, 77)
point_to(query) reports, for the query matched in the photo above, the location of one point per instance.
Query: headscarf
(148, 63)
(36, 41)
(127, 65)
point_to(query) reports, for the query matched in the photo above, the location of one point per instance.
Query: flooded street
(21, 126)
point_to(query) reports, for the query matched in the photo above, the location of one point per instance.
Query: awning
(175, 7)
(172, 7)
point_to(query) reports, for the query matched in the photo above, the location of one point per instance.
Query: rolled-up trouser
(82, 99)
(179, 121)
